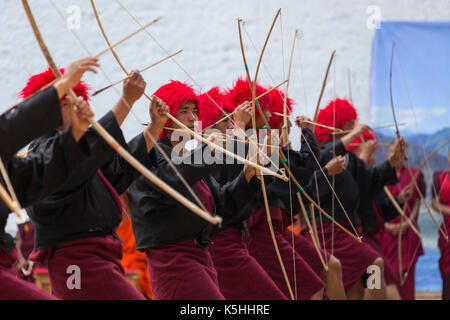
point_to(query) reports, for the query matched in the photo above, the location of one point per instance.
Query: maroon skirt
(182, 271)
(355, 257)
(372, 239)
(13, 288)
(305, 248)
(408, 289)
(101, 274)
(240, 275)
(7, 260)
(444, 247)
(302, 278)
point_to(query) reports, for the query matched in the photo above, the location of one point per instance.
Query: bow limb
(255, 79)
(313, 235)
(110, 140)
(261, 178)
(253, 100)
(324, 84)
(116, 57)
(413, 179)
(284, 129)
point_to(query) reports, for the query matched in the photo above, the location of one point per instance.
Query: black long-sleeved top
(356, 187)
(32, 118)
(83, 206)
(159, 219)
(43, 171)
(22, 123)
(279, 192)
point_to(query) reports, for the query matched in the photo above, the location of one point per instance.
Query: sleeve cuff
(109, 123)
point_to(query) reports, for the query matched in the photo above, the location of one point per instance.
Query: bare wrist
(61, 87)
(129, 101)
(240, 124)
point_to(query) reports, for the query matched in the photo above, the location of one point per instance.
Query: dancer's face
(187, 114)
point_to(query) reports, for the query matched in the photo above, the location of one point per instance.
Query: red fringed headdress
(336, 114)
(354, 145)
(174, 94)
(211, 112)
(40, 80)
(276, 105)
(241, 92)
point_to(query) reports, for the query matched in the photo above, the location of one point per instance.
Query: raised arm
(44, 171)
(40, 113)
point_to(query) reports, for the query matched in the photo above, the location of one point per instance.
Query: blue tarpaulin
(420, 75)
